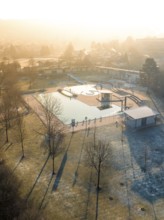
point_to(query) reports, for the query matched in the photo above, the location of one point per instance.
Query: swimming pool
(75, 109)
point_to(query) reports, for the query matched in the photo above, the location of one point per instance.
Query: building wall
(138, 123)
(121, 74)
(151, 120)
(130, 122)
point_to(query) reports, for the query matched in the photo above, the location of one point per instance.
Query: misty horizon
(82, 21)
(32, 31)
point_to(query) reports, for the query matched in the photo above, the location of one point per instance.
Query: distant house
(140, 117)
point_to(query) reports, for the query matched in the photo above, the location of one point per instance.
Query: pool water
(75, 109)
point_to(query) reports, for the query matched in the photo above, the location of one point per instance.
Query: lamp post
(122, 134)
(86, 122)
(73, 124)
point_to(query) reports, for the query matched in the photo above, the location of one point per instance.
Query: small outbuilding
(140, 117)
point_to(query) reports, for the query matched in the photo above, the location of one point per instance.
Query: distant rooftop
(118, 69)
(141, 112)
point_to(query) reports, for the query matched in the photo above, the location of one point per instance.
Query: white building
(140, 117)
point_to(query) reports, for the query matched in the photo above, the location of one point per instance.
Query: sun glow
(100, 15)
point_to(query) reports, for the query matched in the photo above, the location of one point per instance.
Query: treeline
(112, 53)
(159, 88)
(128, 54)
(152, 77)
(16, 51)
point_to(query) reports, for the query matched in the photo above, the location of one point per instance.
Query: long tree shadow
(76, 171)
(3, 138)
(20, 160)
(62, 165)
(9, 145)
(88, 197)
(3, 144)
(97, 204)
(44, 196)
(28, 195)
(60, 172)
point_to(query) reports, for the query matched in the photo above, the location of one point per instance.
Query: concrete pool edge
(75, 109)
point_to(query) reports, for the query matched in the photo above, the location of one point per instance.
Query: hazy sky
(131, 17)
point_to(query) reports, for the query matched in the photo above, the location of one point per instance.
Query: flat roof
(141, 112)
(102, 91)
(119, 69)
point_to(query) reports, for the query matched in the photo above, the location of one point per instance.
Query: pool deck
(36, 106)
(85, 125)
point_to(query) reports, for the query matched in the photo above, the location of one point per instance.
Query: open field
(71, 193)
(131, 183)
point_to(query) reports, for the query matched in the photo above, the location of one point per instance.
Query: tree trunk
(98, 176)
(53, 169)
(49, 144)
(22, 149)
(94, 135)
(53, 158)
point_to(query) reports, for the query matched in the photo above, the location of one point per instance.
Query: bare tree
(20, 132)
(53, 128)
(50, 110)
(98, 154)
(56, 147)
